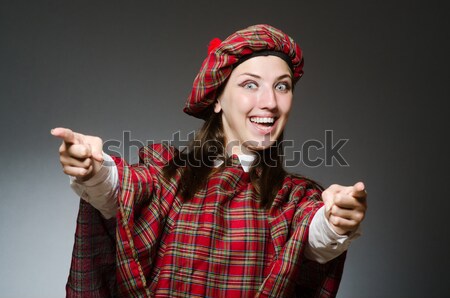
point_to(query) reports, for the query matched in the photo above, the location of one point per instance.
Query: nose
(268, 99)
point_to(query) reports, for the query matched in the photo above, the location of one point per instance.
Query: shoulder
(298, 197)
(301, 186)
(157, 154)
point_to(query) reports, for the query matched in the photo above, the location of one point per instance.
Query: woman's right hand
(81, 156)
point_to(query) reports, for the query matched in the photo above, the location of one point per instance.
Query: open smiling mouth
(263, 120)
(264, 124)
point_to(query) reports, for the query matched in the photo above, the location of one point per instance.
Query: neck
(238, 149)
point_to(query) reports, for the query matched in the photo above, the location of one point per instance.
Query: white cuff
(100, 190)
(324, 244)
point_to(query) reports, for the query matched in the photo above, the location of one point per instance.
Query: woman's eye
(282, 87)
(250, 85)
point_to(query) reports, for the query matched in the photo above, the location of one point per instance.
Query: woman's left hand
(345, 206)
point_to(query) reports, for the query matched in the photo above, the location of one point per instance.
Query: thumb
(98, 156)
(96, 148)
(359, 190)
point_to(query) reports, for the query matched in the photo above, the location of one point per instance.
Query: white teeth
(262, 119)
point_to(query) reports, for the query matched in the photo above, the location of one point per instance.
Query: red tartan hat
(237, 47)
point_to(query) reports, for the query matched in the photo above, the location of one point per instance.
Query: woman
(223, 218)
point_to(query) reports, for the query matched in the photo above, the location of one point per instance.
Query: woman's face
(255, 103)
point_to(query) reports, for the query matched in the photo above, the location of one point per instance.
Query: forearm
(324, 244)
(101, 190)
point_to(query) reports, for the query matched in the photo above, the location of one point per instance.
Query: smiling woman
(222, 218)
(255, 103)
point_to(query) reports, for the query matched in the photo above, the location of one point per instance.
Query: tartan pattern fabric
(92, 271)
(217, 66)
(218, 244)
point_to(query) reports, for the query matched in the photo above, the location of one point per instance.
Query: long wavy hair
(196, 162)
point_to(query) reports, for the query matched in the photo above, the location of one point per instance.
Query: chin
(260, 144)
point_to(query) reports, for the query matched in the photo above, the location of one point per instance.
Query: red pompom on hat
(213, 44)
(223, 55)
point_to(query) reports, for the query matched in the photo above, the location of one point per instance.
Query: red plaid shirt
(218, 244)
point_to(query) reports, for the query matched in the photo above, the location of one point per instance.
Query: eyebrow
(259, 77)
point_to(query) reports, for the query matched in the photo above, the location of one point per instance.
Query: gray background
(376, 73)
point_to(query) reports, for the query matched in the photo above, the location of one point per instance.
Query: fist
(80, 155)
(345, 206)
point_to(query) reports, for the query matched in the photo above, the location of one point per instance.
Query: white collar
(246, 161)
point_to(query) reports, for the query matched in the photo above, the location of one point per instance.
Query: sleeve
(93, 266)
(140, 184)
(292, 274)
(101, 190)
(320, 280)
(324, 244)
(145, 199)
(315, 279)
(99, 242)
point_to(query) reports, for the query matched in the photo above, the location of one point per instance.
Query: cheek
(285, 105)
(243, 104)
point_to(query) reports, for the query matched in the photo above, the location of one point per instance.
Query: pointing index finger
(67, 135)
